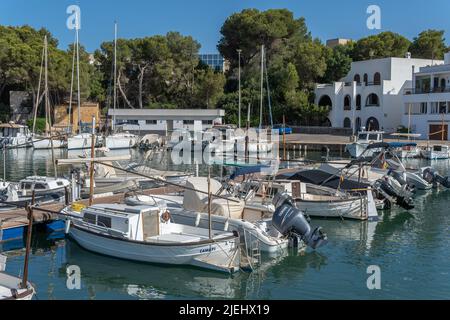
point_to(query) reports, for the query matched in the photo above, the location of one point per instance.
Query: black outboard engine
(406, 202)
(290, 221)
(432, 176)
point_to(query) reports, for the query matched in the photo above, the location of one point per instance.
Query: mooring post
(28, 244)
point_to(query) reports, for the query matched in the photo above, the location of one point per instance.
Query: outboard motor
(291, 222)
(401, 199)
(432, 176)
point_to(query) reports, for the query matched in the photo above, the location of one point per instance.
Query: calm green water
(411, 248)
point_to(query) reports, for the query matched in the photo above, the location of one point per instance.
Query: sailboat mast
(38, 99)
(262, 87)
(115, 77)
(240, 95)
(48, 116)
(71, 87)
(78, 73)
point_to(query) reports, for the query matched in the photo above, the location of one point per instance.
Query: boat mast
(115, 78)
(77, 26)
(240, 96)
(268, 90)
(38, 99)
(262, 87)
(48, 116)
(71, 87)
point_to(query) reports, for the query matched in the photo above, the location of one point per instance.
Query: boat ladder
(250, 252)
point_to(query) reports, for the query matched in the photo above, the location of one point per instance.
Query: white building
(427, 102)
(166, 120)
(371, 95)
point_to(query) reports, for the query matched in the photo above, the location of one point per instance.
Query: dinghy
(147, 234)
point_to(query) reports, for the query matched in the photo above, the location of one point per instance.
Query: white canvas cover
(198, 201)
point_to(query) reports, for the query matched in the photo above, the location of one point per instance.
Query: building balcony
(410, 91)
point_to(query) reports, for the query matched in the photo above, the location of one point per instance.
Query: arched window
(372, 100)
(347, 103)
(325, 101)
(358, 102)
(377, 79)
(357, 79)
(443, 84)
(372, 124)
(347, 123)
(366, 79)
(358, 124)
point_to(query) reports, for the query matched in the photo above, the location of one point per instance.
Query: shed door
(435, 132)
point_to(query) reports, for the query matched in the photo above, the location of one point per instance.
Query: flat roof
(169, 114)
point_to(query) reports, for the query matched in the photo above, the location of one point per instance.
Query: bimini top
(240, 171)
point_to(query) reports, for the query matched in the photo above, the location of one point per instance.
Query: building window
(366, 79)
(357, 79)
(151, 122)
(434, 107)
(358, 102)
(347, 123)
(325, 101)
(377, 79)
(207, 122)
(372, 100)
(187, 122)
(347, 103)
(442, 107)
(423, 108)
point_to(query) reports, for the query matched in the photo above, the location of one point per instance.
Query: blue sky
(203, 18)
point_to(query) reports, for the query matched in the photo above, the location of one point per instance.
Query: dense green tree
(430, 44)
(383, 45)
(208, 87)
(338, 61)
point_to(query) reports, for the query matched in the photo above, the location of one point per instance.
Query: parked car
(281, 128)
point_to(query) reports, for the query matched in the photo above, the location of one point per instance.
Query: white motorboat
(122, 140)
(11, 287)
(436, 152)
(318, 201)
(81, 141)
(408, 149)
(364, 139)
(14, 135)
(147, 234)
(252, 221)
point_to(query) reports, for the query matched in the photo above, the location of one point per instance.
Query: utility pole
(240, 97)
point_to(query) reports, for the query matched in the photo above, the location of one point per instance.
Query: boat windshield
(362, 136)
(374, 137)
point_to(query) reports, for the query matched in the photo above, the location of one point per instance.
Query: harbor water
(411, 249)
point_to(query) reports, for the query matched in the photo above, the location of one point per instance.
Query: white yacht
(46, 143)
(364, 139)
(147, 234)
(14, 135)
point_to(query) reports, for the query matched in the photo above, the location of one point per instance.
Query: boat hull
(197, 255)
(47, 144)
(114, 143)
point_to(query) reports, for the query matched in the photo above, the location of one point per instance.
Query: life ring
(165, 216)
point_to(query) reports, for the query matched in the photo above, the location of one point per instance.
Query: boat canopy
(378, 145)
(240, 171)
(395, 145)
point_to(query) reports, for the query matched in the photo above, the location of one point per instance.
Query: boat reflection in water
(144, 281)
